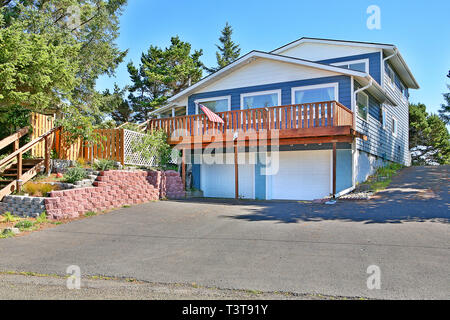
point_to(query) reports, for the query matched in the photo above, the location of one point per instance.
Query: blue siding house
(310, 119)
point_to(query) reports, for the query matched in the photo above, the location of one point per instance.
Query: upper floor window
(315, 93)
(362, 102)
(383, 117)
(263, 99)
(216, 104)
(391, 75)
(357, 65)
(394, 126)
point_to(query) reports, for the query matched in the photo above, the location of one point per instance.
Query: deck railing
(296, 116)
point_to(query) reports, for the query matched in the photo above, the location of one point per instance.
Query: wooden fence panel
(40, 124)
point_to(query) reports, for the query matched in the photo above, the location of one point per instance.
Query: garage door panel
(302, 175)
(217, 180)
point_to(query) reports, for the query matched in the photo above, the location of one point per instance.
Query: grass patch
(90, 214)
(126, 206)
(383, 177)
(24, 225)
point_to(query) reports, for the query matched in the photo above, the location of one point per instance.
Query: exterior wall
(321, 51)
(374, 63)
(366, 165)
(235, 93)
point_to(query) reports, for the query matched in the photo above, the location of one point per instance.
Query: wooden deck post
(334, 169)
(236, 172)
(183, 167)
(47, 155)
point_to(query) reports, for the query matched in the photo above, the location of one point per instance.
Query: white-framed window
(394, 126)
(261, 99)
(357, 65)
(362, 104)
(383, 117)
(391, 76)
(215, 104)
(315, 93)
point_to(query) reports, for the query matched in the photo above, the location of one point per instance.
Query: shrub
(75, 174)
(38, 189)
(104, 164)
(8, 217)
(6, 234)
(25, 224)
(42, 218)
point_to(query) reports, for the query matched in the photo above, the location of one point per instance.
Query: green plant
(75, 174)
(24, 225)
(7, 233)
(153, 145)
(42, 218)
(90, 214)
(38, 189)
(9, 217)
(104, 164)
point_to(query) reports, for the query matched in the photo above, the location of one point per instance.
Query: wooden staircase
(16, 171)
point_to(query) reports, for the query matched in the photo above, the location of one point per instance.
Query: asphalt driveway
(267, 246)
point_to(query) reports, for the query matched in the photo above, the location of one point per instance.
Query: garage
(302, 175)
(217, 180)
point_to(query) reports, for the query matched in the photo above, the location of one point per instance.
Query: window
(218, 104)
(391, 75)
(394, 126)
(316, 93)
(383, 117)
(262, 99)
(180, 112)
(362, 102)
(357, 65)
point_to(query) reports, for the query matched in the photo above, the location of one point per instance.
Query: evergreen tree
(444, 112)
(51, 54)
(117, 106)
(161, 74)
(428, 137)
(228, 50)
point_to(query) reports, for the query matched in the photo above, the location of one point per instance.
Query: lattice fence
(135, 158)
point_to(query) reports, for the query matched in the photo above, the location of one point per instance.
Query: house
(310, 119)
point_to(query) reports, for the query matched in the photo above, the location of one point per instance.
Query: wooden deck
(321, 122)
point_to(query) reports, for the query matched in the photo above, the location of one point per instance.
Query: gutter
(354, 99)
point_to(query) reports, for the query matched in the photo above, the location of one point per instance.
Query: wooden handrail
(14, 137)
(26, 147)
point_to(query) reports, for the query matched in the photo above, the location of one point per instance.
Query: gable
(323, 51)
(264, 71)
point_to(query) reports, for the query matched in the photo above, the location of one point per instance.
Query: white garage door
(217, 180)
(302, 175)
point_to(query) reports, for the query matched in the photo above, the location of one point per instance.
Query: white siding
(264, 71)
(322, 51)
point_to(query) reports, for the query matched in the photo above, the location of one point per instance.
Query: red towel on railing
(211, 115)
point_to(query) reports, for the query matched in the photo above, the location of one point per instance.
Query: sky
(420, 29)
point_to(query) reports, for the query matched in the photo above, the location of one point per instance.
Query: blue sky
(420, 29)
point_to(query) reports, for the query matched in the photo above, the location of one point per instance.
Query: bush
(8, 217)
(42, 218)
(104, 164)
(38, 189)
(25, 224)
(75, 174)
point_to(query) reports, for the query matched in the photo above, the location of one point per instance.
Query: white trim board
(197, 101)
(260, 93)
(317, 86)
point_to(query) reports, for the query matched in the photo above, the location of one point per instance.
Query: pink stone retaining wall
(114, 189)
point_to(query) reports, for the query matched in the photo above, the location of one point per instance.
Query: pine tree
(444, 112)
(228, 50)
